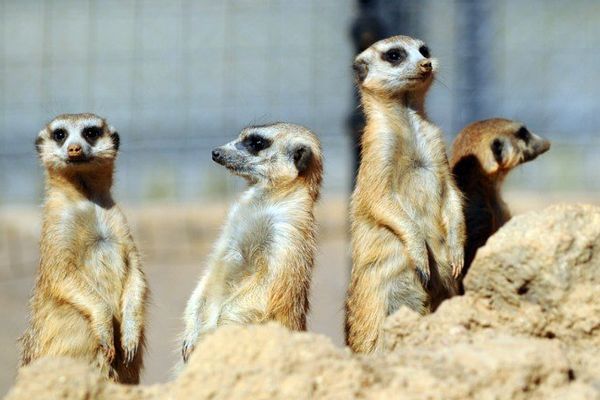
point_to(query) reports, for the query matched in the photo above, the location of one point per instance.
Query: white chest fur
(96, 237)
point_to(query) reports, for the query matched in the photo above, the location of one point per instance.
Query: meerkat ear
(114, 136)
(498, 156)
(38, 144)
(302, 155)
(361, 70)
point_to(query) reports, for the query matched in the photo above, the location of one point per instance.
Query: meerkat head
(277, 154)
(395, 65)
(77, 142)
(500, 144)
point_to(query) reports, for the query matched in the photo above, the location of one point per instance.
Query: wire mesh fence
(179, 77)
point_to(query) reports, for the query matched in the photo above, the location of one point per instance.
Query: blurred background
(179, 77)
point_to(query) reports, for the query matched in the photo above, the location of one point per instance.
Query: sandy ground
(172, 280)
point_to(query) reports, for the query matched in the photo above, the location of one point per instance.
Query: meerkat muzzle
(75, 152)
(217, 155)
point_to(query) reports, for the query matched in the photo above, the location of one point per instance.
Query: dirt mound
(528, 327)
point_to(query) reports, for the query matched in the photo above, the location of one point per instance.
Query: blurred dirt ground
(175, 240)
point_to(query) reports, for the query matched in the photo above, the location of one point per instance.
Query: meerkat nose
(425, 66)
(216, 154)
(74, 150)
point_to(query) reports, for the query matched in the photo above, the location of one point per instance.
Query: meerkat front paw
(108, 347)
(189, 343)
(187, 348)
(457, 261)
(423, 272)
(129, 344)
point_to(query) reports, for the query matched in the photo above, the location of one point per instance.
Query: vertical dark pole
(402, 17)
(365, 30)
(475, 31)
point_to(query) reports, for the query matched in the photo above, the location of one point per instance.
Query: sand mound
(528, 327)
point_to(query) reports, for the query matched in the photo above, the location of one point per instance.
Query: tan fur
(407, 224)
(90, 294)
(261, 266)
(480, 172)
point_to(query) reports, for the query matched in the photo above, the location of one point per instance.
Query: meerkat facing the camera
(406, 213)
(483, 154)
(261, 266)
(90, 294)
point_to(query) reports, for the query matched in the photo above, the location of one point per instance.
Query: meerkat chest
(419, 181)
(258, 229)
(96, 236)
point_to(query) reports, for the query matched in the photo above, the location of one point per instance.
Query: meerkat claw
(186, 351)
(129, 355)
(109, 351)
(423, 276)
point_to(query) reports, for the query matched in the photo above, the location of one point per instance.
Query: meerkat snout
(426, 66)
(216, 155)
(536, 145)
(75, 152)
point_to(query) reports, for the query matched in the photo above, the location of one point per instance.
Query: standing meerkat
(483, 154)
(261, 266)
(90, 294)
(406, 213)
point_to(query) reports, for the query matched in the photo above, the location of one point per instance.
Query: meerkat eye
(256, 143)
(424, 50)
(523, 134)
(92, 132)
(59, 135)
(394, 56)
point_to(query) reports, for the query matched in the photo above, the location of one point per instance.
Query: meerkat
(90, 294)
(261, 266)
(483, 154)
(407, 224)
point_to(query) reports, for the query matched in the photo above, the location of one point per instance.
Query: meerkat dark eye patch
(255, 143)
(361, 70)
(523, 134)
(395, 55)
(59, 135)
(91, 133)
(424, 50)
(302, 156)
(497, 149)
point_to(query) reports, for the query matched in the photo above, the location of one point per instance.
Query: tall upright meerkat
(261, 266)
(90, 295)
(406, 213)
(483, 154)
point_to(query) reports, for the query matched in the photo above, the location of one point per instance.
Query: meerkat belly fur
(482, 156)
(261, 266)
(406, 213)
(90, 295)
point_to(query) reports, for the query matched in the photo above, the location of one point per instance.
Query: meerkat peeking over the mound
(90, 295)
(406, 213)
(261, 266)
(483, 154)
